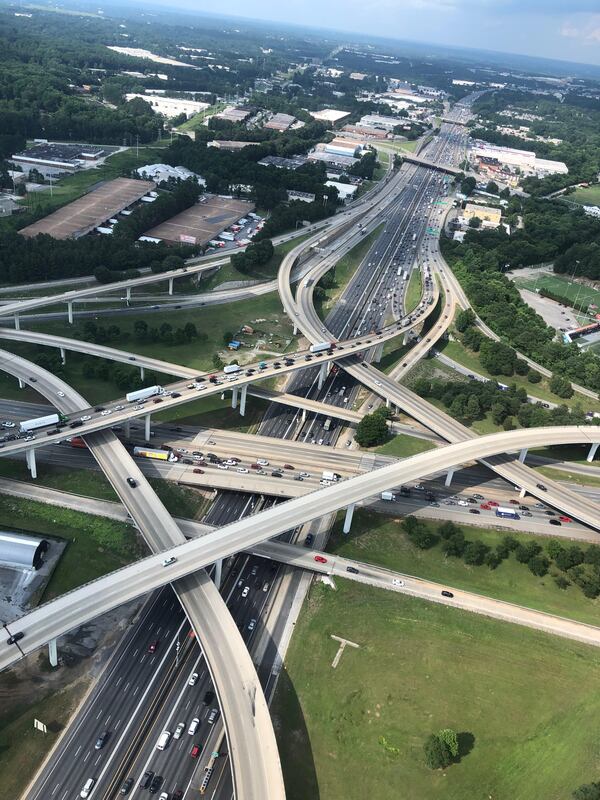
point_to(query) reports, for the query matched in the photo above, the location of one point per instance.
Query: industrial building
(379, 121)
(92, 210)
(62, 157)
(170, 106)
(332, 159)
(345, 190)
(293, 162)
(228, 144)
(305, 197)
(160, 173)
(280, 122)
(365, 131)
(331, 115)
(344, 147)
(20, 551)
(202, 222)
(490, 155)
(234, 114)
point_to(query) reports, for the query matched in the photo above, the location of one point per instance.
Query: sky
(563, 29)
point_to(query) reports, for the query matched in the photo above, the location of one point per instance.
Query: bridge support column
(147, 427)
(171, 285)
(142, 373)
(295, 329)
(322, 375)
(17, 323)
(348, 518)
(53, 653)
(523, 455)
(63, 356)
(128, 428)
(387, 402)
(70, 312)
(406, 339)
(243, 394)
(218, 573)
(128, 293)
(21, 384)
(449, 476)
(378, 354)
(303, 416)
(522, 493)
(592, 453)
(31, 465)
(234, 397)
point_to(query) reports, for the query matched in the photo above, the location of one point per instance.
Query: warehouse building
(19, 551)
(332, 159)
(233, 114)
(228, 144)
(344, 147)
(160, 173)
(280, 122)
(380, 122)
(63, 157)
(170, 106)
(345, 190)
(331, 115)
(293, 162)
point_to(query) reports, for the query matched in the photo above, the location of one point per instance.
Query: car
(397, 582)
(222, 466)
(565, 519)
(485, 506)
(478, 497)
(353, 570)
(541, 487)
(87, 787)
(555, 522)
(320, 559)
(156, 784)
(474, 511)
(288, 466)
(493, 503)
(16, 637)
(198, 471)
(126, 786)
(132, 482)
(33, 380)
(549, 513)
(8, 424)
(212, 717)
(60, 394)
(146, 780)
(164, 795)
(193, 679)
(208, 698)
(276, 474)
(252, 625)
(526, 514)
(193, 726)
(179, 730)
(168, 561)
(105, 413)
(263, 462)
(101, 740)
(196, 750)
(241, 469)
(524, 508)
(152, 646)
(177, 794)
(446, 593)
(310, 537)
(245, 591)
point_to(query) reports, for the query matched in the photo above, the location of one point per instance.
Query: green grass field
(413, 291)
(560, 285)
(403, 446)
(381, 540)
(197, 121)
(524, 703)
(587, 197)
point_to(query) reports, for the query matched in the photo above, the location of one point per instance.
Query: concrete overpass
(425, 162)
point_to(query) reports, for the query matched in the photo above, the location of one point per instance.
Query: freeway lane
(73, 609)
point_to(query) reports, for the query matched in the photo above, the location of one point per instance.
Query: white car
(242, 469)
(85, 418)
(251, 624)
(305, 474)
(245, 591)
(193, 725)
(377, 383)
(8, 424)
(222, 466)
(60, 394)
(193, 679)
(168, 561)
(179, 730)
(105, 413)
(262, 461)
(119, 408)
(397, 582)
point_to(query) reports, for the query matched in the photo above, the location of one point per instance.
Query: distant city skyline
(563, 29)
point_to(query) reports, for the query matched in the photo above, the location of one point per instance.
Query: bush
(437, 754)
(533, 376)
(371, 430)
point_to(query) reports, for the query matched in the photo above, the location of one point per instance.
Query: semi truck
(231, 368)
(388, 496)
(40, 422)
(321, 346)
(330, 476)
(159, 455)
(142, 394)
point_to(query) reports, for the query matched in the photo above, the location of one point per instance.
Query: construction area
(92, 210)
(203, 221)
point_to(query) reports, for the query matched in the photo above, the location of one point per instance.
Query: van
(164, 740)
(193, 725)
(88, 786)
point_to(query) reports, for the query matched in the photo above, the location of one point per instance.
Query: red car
(287, 466)
(492, 503)
(513, 502)
(486, 506)
(198, 471)
(195, 751)
(320, 559)
(565, 519)
(152, 646)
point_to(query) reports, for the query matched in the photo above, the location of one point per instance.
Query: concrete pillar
(348, 518)
(171, 285)
(592, 453)
(522, 493)
(387, 402)
(70, 312)
(295, 329)
(127, 428)
(17, 323)
(147, 427)
(53, 653)
(322, 375)
(234, 397)
(142, 373)
(523, 455)
(406, 338)
(449, 476)
(21, 384)
(128, 293)
(243, 399)
(63, 355)
(31, 465)
(303, 416)
(378, 353)
(218, 573)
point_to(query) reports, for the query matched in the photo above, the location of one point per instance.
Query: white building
(345, 190)
(170, 106)
(525, 160)
(332, 115)
(380, 122)
(163, 172)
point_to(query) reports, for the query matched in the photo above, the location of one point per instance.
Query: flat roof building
(305, 197)
(485, 213)
(228, 144)
(170, 106)
(293, 162)
(345, 190)
(234, 114)
(164, 172)
(380, 122)
(61, 156)
(332, 115)
(280, 122)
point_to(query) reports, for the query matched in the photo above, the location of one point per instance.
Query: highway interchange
(366, 305)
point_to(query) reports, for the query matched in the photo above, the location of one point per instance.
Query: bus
(506, 513)
(159, 455)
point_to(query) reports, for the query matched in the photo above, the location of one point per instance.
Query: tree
(561, 386)
(475, 553)
(475, 222)
(437, 754)
(371, 430)
(497, 358)
(587, 791)
(473, 408)
(533, 376)
(472, 338)
(492, 187)
(464, 319)
(450, 739)
(467, 185)
(538, 565)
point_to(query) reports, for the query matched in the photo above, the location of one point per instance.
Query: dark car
(98, 409)
(352, 569)
(555, 522)
(156, 784)
(310, 537)
(446, 593)
(101, 740)
(152, 646)
(198, 471)
(474, 511)
(276, 474)
(126, 787)
(146, 780)
(178, 794)
(208, 698)
(132, 482)
(77, 424)
(542, 487)
(16, 637)
(175, 394)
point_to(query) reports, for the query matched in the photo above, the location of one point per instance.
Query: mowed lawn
(524, 703)
(587, 197)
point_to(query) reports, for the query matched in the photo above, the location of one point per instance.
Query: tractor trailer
(143, 394)
(321, 346)
(40, 422)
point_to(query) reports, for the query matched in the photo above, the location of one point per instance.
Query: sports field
(560, 285)
(587, 197)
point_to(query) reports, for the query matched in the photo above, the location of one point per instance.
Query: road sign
(40, 726)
